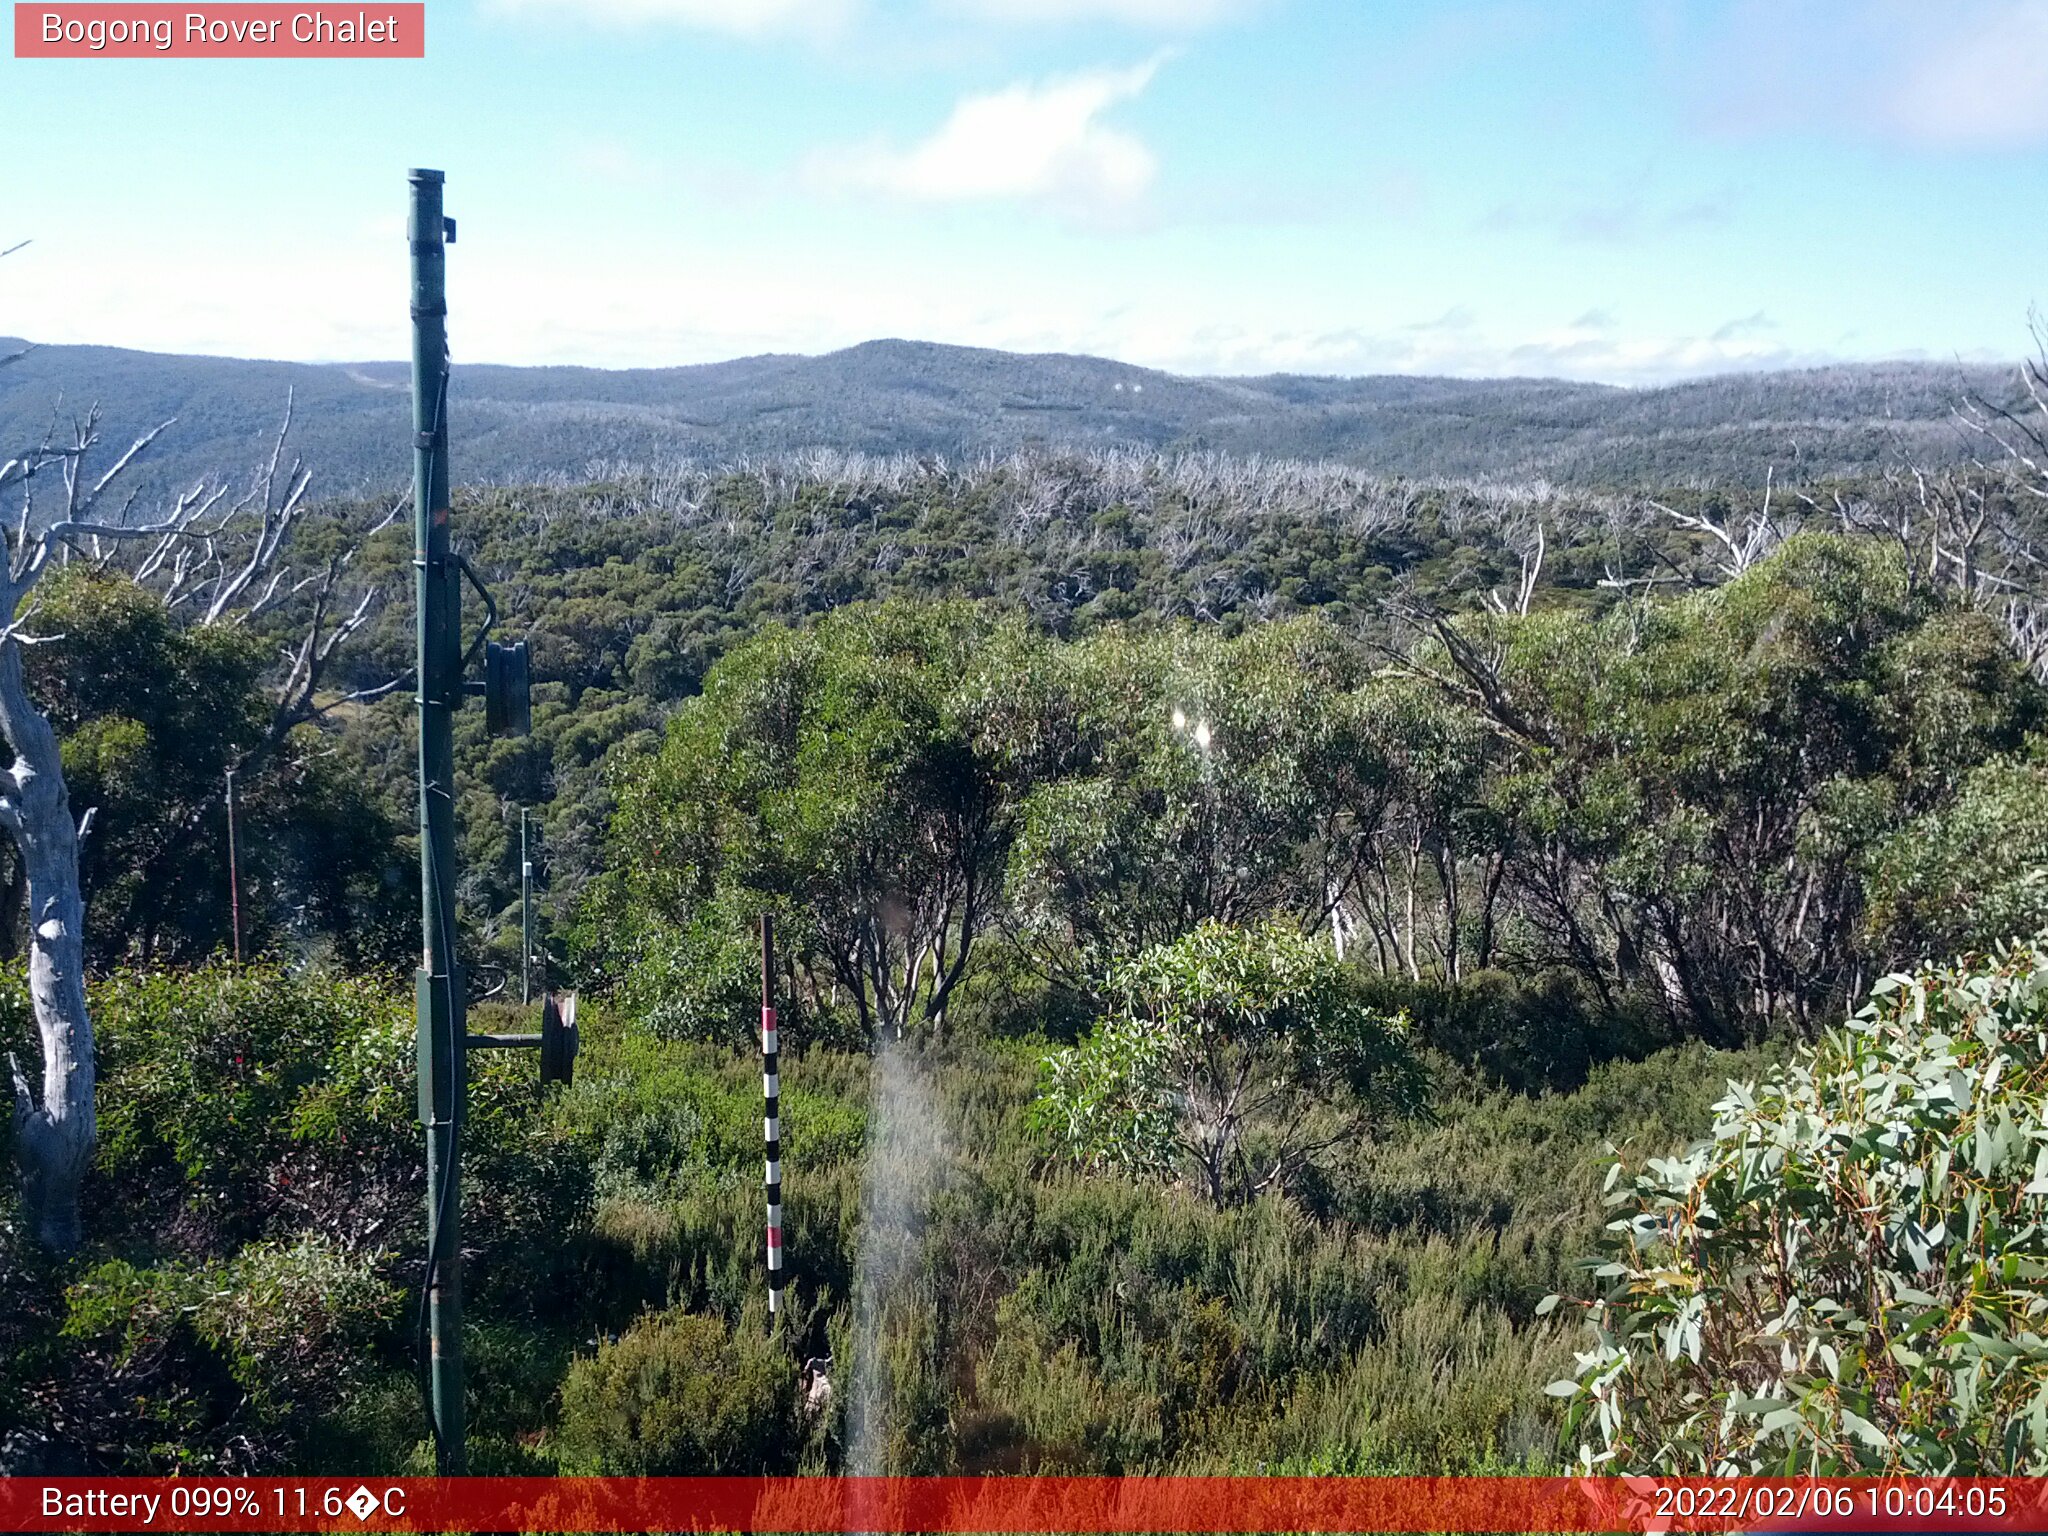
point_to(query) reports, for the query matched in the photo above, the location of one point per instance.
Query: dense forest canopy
(1458, 727)
(1702, 802)
(633, 590)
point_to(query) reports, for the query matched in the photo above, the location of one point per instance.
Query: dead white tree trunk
(54, 1130)
(1742, 545)
(55, 1127)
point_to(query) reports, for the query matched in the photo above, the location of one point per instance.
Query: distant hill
(521, 424)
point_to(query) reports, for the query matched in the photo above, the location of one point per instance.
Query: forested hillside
(529, 424)
(1227, 910)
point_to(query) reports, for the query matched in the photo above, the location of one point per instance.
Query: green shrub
(1848, 1276)
(660, 1117)
(227, 1364)
(1548, 1031)
(257, 1098)
(1378, 1318)
(1443, 1389)
(260, 1102)
(701, 980)
(1971, 871)
(1526, 1166)
(680, 1394)
(1057, 1409)
(1235, 1057)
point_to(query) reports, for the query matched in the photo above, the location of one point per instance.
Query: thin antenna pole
(525, 913)
(234, 874)
(771, 1120)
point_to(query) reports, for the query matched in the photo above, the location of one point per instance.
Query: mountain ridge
(891, 395)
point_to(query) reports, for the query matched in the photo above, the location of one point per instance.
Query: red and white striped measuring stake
(771, 1121)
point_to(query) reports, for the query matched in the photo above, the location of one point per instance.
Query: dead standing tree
(56, 1128)
(222, 563)
(1977, 529)
(1736, 546)
(227, 561)
(2017, 434)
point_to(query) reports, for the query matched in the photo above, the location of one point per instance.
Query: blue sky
(1607, 189)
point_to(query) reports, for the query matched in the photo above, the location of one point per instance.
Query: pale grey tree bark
(55, 1128)
(55, 1123)
(187, 555)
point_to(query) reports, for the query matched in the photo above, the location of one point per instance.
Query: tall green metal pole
(440, 995)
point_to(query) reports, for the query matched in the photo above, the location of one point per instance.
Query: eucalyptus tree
(55, 1126)
(1843, 1278)
(1185, 776)
(152, 713)
(833, 774)
(1967, 869)
(1232, 1058)
(1694, 789)
(1431, 862)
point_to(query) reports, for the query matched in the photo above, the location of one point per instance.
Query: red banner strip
(1025, 1504)
(372, 30)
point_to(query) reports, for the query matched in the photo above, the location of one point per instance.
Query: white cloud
(738, 18)
(1626, 209)
(1744, 325)
(1456, 318)
(325, 293)
(1591, 349)
(1040, 142)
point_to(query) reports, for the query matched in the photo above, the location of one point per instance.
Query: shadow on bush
(1546, 1032)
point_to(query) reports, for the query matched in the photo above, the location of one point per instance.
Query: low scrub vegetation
(1385, 1318)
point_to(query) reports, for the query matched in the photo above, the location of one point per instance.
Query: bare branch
(121, 464)
(362, 695)
(1744, 546)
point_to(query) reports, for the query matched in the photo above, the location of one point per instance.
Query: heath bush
(679, 1394)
